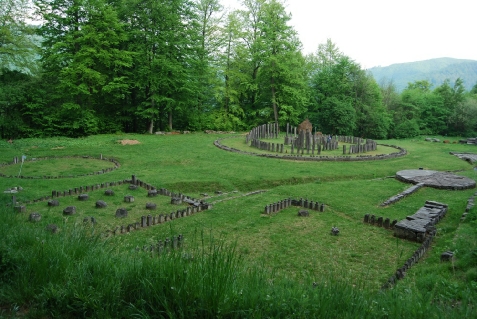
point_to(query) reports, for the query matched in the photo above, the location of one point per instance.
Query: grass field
(283, 245)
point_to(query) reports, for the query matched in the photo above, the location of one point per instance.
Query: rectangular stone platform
(416, 226)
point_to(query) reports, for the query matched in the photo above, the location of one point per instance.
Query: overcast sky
(380, 33)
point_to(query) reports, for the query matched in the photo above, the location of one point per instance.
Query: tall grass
(75, 274)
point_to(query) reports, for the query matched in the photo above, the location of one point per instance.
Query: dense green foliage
(101, 66)
(235, 261)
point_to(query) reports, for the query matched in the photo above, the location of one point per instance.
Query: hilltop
(434, 70)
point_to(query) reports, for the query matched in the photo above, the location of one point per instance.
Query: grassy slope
(297, 248)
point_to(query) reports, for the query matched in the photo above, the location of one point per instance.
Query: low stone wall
(195, 206)
(403, 194)
(17, 160)
(77, 191)
(164, 246)
(469, 141)
(317, 158)
(379, 221)
(152, 220)
(288, 202)
(426, 218)
(471, 158)
(468, 207)
(414, 259)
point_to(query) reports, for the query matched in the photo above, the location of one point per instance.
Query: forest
(81, 67)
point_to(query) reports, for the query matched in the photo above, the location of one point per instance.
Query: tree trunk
(274, 102)
(170, 121)
(151, 123)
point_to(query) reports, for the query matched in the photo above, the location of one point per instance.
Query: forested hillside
(436, 71)
(146, 66)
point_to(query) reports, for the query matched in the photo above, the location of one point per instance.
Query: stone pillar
(149, 220)
(372, 219)
(380, 221)
(317, 206)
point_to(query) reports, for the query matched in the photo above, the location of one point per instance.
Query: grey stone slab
(417, 225)
(435, 179)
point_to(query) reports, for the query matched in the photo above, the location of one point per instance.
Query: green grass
(56, 167)
(246, 264)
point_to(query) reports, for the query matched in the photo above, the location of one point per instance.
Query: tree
(421, 85)
(373, 120)
(463, 120)
(164, 36)
(230, 115)
(84, 60)
(212, 41)
(474, 89)
(13, 84)
(17, 43)
(391, 101)
(249, 60)
(282, 82)
(451, 96)
(424, 107)
(338, 116)
(339, 82)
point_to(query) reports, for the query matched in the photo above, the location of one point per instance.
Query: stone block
(34, 217)
(303, 213)
(101, 204)
(70, 210)
(151, 206)
(121, 213)
(129, 199)
(20, 208)
(83, 197)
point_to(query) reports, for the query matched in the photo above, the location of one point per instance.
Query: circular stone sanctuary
(435, 179)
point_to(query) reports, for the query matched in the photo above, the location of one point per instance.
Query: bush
(408, 128)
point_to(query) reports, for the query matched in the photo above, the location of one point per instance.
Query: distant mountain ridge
(435, 71)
